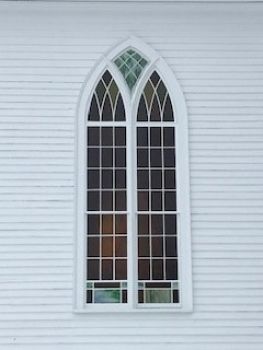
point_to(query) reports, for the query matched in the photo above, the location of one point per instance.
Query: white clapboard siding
(47, 51)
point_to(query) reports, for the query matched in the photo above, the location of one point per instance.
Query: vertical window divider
(131, 207)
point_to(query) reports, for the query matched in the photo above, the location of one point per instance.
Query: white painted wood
(46, 51)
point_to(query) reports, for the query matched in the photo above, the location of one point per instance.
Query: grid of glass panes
(106, 197)
(156, 198)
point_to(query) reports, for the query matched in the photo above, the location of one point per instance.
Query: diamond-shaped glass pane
(131, 65)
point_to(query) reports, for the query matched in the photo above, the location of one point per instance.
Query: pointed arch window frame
(131, 102)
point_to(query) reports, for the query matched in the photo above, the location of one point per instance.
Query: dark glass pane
(107, 136)
(169, 157)
(143, 201)
(157, 224)
(107, 200)
(161, 91)
(143, 247)
(175, 296)
(93, 200)
(155, 78)
(148, 93)
(119, 111)
(93, 224)
(155, 113)
(143, 269)
(143, 179)
(120, 269)
(168, 137)
(94, 114)
(120, 200)
(156, 201)
(120, 178)
(170, 201)
(93, 136)
(169, 179)
(156, 158)
(93, 247)
(157, 269)
(93, 269)
(142, 136)
(107, 224)
(107, 77)
(107, 269)
(121, 246)
(124, 296)
(89, 297)
(170, 224)
(171, 246)
(107, 110)
(140, 296)
(157, 246)
(171, 269)
(142, 111)
(107, 246)
(120, 157)
(107, 178)
(93, 179)
(156, 178)
(143, 224)
(120, 136)
(168, 110)
(142, 158)
(107, 157)
(93, 157)
(120, 224)
(155, 137)
(100, 91)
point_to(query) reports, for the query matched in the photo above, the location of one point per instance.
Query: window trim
(182, 163)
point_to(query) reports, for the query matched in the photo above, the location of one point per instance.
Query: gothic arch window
(133, 245)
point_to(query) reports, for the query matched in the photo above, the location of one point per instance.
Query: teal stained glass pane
(107, 296)
(131, 64)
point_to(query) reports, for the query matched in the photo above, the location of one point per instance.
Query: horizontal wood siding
(46, 52)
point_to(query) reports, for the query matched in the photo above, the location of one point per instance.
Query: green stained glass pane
(158, 296)
(107, 296)
(131, 64)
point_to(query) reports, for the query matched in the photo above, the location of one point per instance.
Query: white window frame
(156, 63)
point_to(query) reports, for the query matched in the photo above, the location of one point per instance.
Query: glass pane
(93, 136)
(143, 179)
(93, 179)
(158, 296)
(120, 269)
(121, 247)
(107, 178)
(107, 136)
(93, 200)
(93, 157)
(131, 64)
(107, 246)
(143, 224)
(93, 246)
(120, 136)
(107, 296)
(120, 179)
(107, 157)
(93, 224)
(144, 269)
(143, 247)
(142, 136)
(120, 224)
(107, 200)
(155, 137)
(107, 269)
(93, 269)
